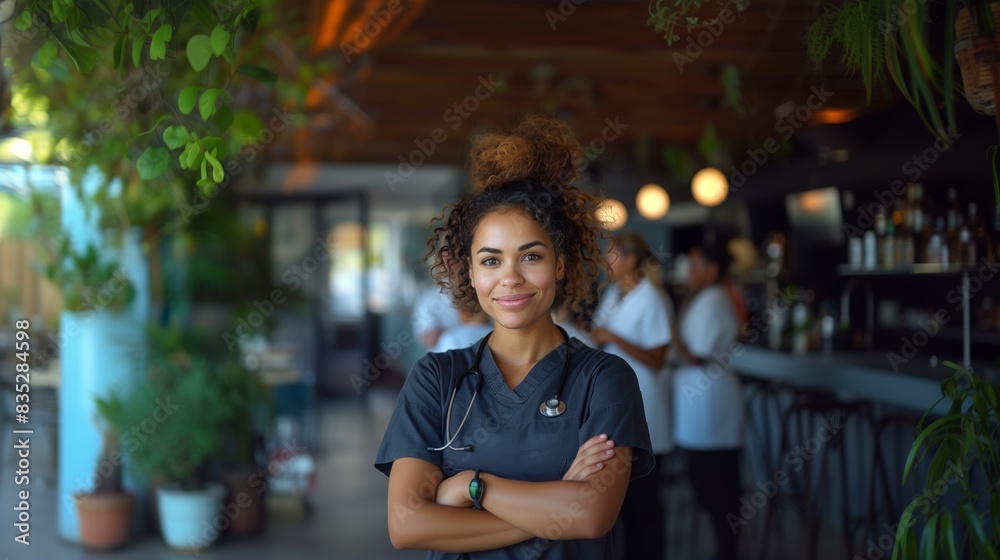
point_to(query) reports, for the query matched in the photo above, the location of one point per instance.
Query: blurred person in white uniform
(472, 327)
(633, 321)
(433, 313)
(573, 325)
(708, 398)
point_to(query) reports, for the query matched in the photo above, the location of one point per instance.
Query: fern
(859, 30)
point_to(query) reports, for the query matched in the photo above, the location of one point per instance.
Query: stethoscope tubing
(545, 409)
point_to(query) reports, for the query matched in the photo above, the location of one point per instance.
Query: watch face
(476, 488)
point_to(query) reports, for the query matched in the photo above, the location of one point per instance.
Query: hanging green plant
(888, 42)
(141, 96)
(666, 15)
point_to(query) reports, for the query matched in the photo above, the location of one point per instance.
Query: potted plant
(105, 513)
(964, 441)
(249, 414)
(180, 409)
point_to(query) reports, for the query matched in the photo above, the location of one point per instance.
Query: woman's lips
(513, 301)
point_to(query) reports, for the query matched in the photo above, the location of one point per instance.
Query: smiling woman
(541, 442)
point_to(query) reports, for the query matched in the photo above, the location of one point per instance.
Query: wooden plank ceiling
(601, 61)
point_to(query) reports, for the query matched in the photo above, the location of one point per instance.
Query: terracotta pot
(244, 504)
(104, 519)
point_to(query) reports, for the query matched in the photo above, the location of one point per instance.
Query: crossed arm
(428, 513)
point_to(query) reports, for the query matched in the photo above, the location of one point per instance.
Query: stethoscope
(550, 407)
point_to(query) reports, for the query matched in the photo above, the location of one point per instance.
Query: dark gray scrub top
(511, 438)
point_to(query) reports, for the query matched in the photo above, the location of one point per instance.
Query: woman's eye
(491, 262)
(532, 257)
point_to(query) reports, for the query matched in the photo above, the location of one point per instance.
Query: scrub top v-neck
(510, 437)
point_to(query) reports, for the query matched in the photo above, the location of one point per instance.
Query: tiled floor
(349, 510)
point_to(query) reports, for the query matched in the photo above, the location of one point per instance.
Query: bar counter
(852, 374)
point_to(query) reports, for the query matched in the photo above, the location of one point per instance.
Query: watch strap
(476, 490)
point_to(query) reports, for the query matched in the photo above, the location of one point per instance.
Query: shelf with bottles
(906, 236)
(901, 270)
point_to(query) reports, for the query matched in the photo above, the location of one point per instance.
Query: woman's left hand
(454, 491)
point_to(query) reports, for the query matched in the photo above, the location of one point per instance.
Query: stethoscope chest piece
(552, 408)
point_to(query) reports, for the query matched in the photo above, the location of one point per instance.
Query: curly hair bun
(539, 149)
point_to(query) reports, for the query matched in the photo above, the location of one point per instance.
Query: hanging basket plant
(976, 52)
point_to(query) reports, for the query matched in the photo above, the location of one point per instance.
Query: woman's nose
(511, 276)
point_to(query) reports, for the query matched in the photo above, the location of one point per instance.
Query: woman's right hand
(590, 458)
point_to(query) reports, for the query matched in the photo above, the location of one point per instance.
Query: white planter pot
(187, 517)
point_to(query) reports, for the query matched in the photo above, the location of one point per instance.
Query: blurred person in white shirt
(708, 397)
(633, 321)
(471, 328)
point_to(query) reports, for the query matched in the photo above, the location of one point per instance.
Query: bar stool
(682, 513)
(889, 496)
(763, 418)
(812, 455)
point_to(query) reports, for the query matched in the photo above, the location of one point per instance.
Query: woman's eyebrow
(524, 247)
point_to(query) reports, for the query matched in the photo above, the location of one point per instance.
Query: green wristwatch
(476, 489)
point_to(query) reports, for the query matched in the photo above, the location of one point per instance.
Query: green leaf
(229, 54)
(137, 51)
(47, 53)
(220, 38)
(258, 73)
(225, 119)
(206, 105)
(158, 45)
(23, 22)
(206, 186)
(928, 542)
(83, 58)
(59, 10)
(175, 136)
(974, 523)
(77, 37)
(187, 159)
(199, 51)
(924, 434)
(204, 15)
(218, 174)
(119, 52)
(153, 163)
(947, 535)
(187, 98)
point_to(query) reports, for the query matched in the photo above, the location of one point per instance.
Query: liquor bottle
(980, 239)
(910, 207)
(870, 247)
(855, 251)
(934, 245)
(994, 252)
(922, 237)
(880, 229)
(921, 224)
(954, 214)
(901, 231)
(888, 246)
(966, 248)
